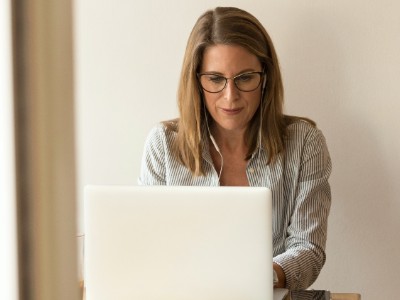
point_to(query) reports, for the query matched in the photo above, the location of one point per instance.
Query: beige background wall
(341, 67)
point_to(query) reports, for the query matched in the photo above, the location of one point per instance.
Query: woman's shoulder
(304, 140)
(163, 130)
(303, 125)
(303, 129)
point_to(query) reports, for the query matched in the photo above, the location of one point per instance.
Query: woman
(232, 131)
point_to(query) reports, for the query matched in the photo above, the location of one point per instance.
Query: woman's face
(230, 108)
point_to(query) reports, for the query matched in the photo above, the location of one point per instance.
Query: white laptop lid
(189, 243)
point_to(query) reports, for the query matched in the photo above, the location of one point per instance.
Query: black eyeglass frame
(261, 73)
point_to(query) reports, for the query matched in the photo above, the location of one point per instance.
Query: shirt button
(251, 170)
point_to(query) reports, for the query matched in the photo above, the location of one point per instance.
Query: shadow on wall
(326, 78)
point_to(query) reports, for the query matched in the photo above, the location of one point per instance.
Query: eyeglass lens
(215, 83)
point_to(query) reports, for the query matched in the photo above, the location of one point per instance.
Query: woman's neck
(230, 141)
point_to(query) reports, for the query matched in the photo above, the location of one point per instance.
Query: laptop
(180, 243)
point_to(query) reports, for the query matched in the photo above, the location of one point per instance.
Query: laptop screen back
(186, 243)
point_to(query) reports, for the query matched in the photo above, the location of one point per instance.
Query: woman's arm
(304, 253)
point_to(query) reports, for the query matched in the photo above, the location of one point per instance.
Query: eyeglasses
(215, 83)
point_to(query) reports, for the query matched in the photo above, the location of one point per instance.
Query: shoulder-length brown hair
(229, 26)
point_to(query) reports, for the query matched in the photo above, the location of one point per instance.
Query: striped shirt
(298, 180)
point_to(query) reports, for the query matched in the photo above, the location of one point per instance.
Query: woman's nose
(231, 92)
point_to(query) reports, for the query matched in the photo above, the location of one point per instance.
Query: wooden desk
(341, 296)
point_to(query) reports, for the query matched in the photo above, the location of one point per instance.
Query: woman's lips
(231, 111)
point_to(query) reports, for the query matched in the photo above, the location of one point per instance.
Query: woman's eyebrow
(222, 74)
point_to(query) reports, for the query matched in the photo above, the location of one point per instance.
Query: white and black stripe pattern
(299, 183)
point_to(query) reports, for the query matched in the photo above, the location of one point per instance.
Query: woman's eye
(216, 79)
(245, 77)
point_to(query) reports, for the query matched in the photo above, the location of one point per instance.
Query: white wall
(341, 67)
